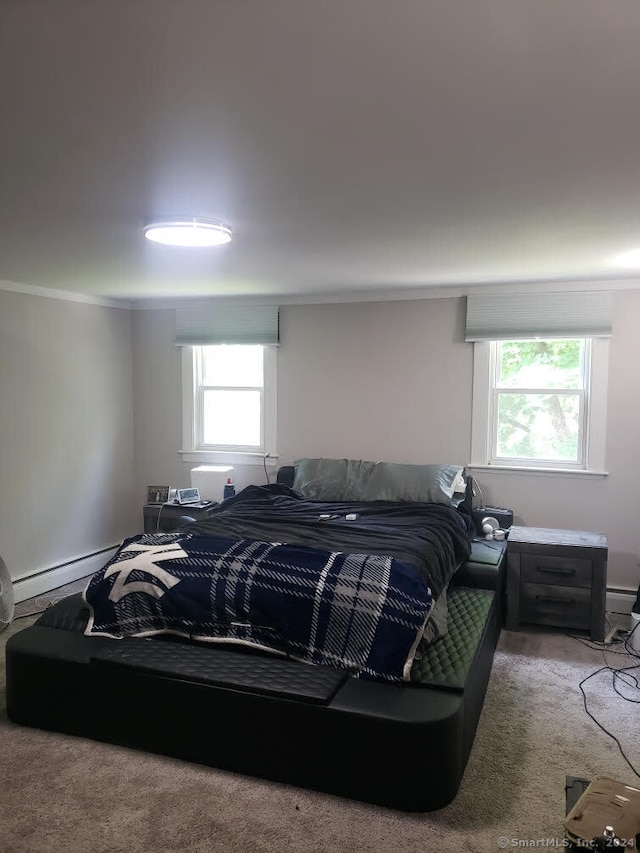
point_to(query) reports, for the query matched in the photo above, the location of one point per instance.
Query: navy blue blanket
(360, 612)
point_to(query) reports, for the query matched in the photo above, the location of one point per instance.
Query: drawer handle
(550, 599)
(550, 570)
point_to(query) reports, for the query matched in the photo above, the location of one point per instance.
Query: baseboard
(620, 600)
(57, 576)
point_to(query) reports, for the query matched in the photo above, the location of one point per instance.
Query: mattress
(400, 746)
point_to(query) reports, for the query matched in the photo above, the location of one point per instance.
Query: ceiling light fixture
(628, 260)
(188, 231)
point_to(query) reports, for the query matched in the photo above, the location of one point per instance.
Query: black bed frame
(403, 747)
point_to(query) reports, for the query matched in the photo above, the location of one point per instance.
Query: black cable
(474, 483)
(625, 669)
(600, 647)
(600, 726)
(264, 465)
(634, 686)
(630, 634)
(616, 674)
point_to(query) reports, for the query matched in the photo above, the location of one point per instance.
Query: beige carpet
(69, 795)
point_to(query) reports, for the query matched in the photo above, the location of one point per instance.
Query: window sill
(219, 457)
(545, 472)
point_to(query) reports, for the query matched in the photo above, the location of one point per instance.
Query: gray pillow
(390, 481)
(361, 480)
(331, 479)
(437, 623)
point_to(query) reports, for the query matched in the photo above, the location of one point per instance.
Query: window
(540, 364)
(229, 404)
(539, 400)
(540, 403)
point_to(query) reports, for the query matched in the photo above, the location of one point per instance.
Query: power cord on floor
(604, 645)
(597, 722)
(601, 647)
(621, 673)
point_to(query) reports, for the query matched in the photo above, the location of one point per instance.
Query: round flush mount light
(188, 231)
(628, 260)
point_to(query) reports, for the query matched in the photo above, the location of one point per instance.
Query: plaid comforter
(360, 612)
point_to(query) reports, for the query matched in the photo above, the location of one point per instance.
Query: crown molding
(387, 294)
(398, 294)
(64, 295)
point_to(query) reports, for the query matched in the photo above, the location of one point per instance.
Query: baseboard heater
(50, 578)
(620, 600)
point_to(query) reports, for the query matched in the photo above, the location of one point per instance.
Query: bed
(346, 645)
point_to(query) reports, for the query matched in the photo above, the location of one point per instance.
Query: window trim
(595, 423)
(191, 452)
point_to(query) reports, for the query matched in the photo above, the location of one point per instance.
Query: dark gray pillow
(390, 481)
(361, 480)
(331, 479)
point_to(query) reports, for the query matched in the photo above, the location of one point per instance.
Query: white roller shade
(510, 316)
(202, 324)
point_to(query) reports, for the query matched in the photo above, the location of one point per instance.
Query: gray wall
(66, 430)
(392, 381)
(385, 380)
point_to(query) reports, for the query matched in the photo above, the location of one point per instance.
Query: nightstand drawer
(559, 571)
(550, 604)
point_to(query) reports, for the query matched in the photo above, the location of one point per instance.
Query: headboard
(286, 475)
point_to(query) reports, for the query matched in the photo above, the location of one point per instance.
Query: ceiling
(355, 146)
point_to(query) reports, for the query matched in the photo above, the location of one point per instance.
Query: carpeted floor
(69, 795)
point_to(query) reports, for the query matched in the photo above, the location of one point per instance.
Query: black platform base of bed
(403, 747)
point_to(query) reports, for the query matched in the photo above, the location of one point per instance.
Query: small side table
(162, 518)
(557, 578)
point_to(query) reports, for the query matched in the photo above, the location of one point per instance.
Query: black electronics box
(503, 516)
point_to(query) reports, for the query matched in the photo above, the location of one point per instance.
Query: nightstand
(557, 578)
(170, 515)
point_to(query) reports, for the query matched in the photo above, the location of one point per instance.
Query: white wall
(392, 381)
(66, 430)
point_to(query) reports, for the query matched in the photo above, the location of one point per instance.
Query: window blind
(207, 323)
(583, 314)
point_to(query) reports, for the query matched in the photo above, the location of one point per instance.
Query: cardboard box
(605, 802)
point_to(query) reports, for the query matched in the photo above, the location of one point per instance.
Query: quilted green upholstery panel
(446, 662)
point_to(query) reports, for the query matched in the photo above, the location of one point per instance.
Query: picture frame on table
(158, 494)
